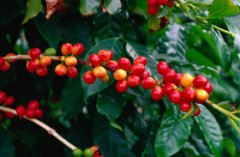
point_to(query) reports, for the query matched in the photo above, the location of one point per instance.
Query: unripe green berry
(50, 52)
(88, 152)
(77, 152)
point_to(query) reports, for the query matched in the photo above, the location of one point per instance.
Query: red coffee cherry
(145, 74)
(72, 72)
(45, 61)
(88, 77)
(152, 3)
(71, 61)
(11, 55)
(105, 78)
(42, 71)
(133, 81)
(140, 59)
(77, 49)
(153, 10)
(3, 96)
(168, 87)
(38, 113)
(1, 61)
(112, 65)
(9, 101)
(197, 113)
(169, 76)
(162, 67)
(189, 94)
(175, 96)
(20, 111)
(60, 70)
(177, 79)
(66, 49)
(148, 83)
(99, 72)
(162, 2)
(201, 95)
(1, 116)
(208, 88)
(29, 69)
(157, 93)
(34, 53)
(170, 4)
(33, 64)
(200, 81)
(5, 67)
(94, 60)
(121, 86)
(33, 104)
(105, 55)
(9, 115)
(124, 63)
(163, 22)
(30, 113)
(185, 106)
(120, 74)
(137, 69)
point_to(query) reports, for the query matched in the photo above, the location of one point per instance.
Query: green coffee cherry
(77, 152)
(50, 52)
(88, 152)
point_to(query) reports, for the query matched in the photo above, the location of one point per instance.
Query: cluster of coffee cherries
(88, 152)
(7, 101)
(5, 64)
(153, 5)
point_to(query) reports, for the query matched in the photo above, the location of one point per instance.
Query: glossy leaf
(112, 6)
(229, 146)
(88, 7)
(34, 7)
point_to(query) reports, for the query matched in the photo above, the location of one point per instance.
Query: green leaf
(221, 8)
(34, 7)
(6, 146)
(227, 105)
(229, 146)
(234, 28)
(190, 150)
(112, 6)
(211, 130)
(113, 44)
(110, 104)
(173, 133)
(88, 7)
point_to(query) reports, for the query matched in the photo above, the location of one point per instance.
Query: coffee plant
(120, 78)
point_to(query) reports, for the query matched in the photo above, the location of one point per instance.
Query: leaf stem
(224, 31)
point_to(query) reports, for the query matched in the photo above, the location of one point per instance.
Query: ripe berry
(105, 78)
(189, 94)
(9, 115)
(88, 77)
(34, 53)
(105, 55)
(208, 88)
(9, 101)
(170, 4)
(30, 113)
(140, 59)
(175, 96)
(71, 61)
(45, 61)
(120, 74)
(200, 81)
(157, 93)
(197, 113)
(66, 49)
(5, 67)
(121, 86)
(177, 79)
(33, 64)
(11, 55)
(60, 70)
(169, 76)
(94, 60)
(186, 80)
(201, 95)
(153, 10)
(20, 111)
(33, 104)
(42, 71)
(72, 72)
(162, 2)
(148, 83)
(99, 72)
(133, 81)
(145, 74)
(168, 87)
(152, 3)
(77, 49)
(163, 22)
(185, 106)
(3, 96)
(162, 67)
(137, 69)
(1, 61)
(112, 65)
(38, 113)
(124, 63)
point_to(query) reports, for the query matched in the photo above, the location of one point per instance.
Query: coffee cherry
(72, 72)
(168, 87)
(175, 96)
(140, 59)
(105, 55)
(60, 70)
(124, 63)
(137, 69)
(1, 116)
(200, 81)
(3, 96)
(197, 113)
(50, 51)
(71, 61)
(66, 49)
(153, 10)
(9, 115)
(99, 72)
(169, 76)
(11, 55)
(38, 113)
(163, 22)
(20, 111)
(34, 53)
(88, 77)
(1, 61)
(145, 74)
(77, 49)
(152, 3)
(105, 78)
(189, 94)
(77, 152)
(185, 106)
(9, 101)
(30, 113)
(201, 95)
(208, 88)
(5, 67)
(94, 60)
(170, 4)
(162, 2)
(45, 61)
(33, 104)
(186, 80)
(120, 74)
(133, 81)
(148, 83)
(121, 86)
(33, 64)
(177, 79)
(88, 152)
(112, 65)
(157, 93)
(42, 71)
(162, 67)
